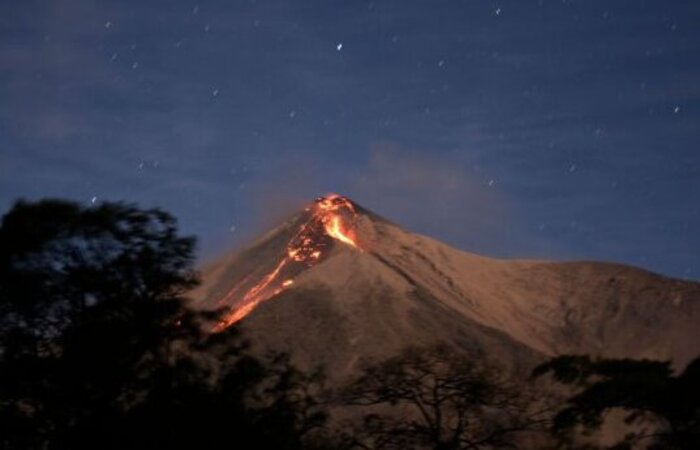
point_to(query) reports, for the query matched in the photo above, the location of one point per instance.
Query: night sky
(516, 128)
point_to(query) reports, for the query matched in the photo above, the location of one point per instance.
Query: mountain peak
(329, 221)
(336, 271)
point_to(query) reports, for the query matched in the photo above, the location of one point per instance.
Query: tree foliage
(99, 349)
(644, 389)
(439, 399)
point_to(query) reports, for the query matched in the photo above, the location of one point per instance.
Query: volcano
(336, 284)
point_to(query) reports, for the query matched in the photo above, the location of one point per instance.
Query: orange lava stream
(304, 248)
(231, 293)
(251, 298)
(334, 228)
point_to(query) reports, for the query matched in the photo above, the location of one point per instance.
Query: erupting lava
(331, 219)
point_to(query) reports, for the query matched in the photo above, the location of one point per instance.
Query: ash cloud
(275, 189)
(448, 199)
(445, 199)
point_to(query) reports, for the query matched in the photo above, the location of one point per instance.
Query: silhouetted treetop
(441, 399)
(59, 257)
(640, 387)
(100, 349)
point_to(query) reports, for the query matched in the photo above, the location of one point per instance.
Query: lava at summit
(331, 219)
(329, 208)
(345, 284)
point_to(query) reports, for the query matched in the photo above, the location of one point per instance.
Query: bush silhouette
(437, 398)
(99, 349)
(643, 389)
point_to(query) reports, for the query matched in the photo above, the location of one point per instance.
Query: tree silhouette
(99, 349)
(439, 399)
(646, 390)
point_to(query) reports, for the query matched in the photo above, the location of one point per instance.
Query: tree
(437, 398)
(646, 390)
(99, 348)
(88, 298)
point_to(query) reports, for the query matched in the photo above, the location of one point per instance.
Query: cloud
(444, 198)
(274, 188)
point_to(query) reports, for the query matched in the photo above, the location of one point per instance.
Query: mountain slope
(337, 283)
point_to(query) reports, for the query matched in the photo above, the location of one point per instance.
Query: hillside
(386, 288)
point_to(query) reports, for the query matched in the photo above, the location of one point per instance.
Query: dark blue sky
(540, 129)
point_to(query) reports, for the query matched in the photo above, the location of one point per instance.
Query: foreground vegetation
(99, 349)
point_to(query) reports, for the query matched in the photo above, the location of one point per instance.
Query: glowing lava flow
(333, 222)
(304, 250)
(334, 228)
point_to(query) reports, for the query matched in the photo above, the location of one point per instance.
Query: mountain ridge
(519, 311)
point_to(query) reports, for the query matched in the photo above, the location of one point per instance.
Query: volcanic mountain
(335, 284)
